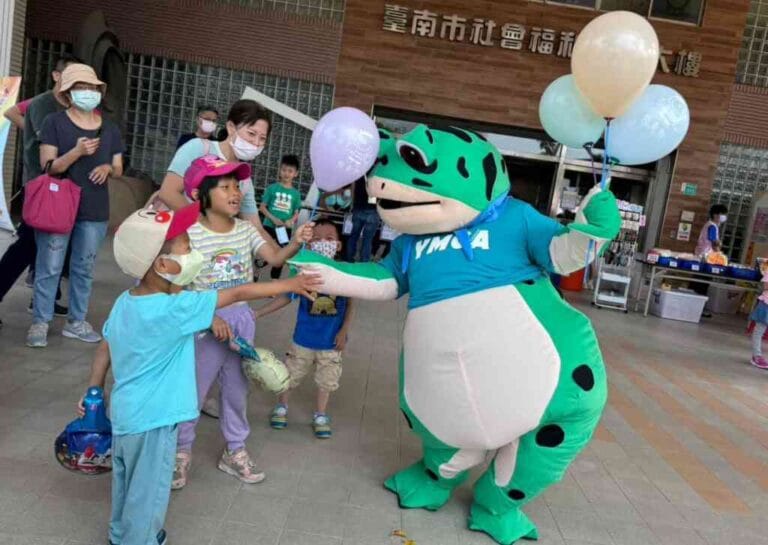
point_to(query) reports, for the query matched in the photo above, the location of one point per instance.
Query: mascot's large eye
(415, 158)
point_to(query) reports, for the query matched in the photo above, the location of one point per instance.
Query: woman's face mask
(191, 264)
(723, 218)
(248, 141)
(85, 100)
(207, 126)
(244, 150)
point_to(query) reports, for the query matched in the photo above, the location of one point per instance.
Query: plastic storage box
(689, 265)
(724, 300)
(743, 273)
(717, 270)
(676, 305)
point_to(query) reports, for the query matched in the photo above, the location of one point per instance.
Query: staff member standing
(709, 238)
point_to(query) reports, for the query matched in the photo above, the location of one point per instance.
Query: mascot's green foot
(418, 487)
(506, 528)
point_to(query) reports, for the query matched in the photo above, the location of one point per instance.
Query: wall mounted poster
(684, 231)
(9, 93)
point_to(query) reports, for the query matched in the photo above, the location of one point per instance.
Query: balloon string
(592, 161)
(606, 157)
(605, 176)
(312, 215)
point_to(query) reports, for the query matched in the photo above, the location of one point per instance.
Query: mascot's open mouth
(389, 204)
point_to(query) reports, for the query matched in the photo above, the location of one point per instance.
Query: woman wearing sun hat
(87, 149)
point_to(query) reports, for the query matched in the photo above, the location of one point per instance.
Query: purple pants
(214, 359)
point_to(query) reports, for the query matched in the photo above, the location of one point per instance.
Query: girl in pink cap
(229, 246)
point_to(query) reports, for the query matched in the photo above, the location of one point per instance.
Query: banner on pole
(9, 93)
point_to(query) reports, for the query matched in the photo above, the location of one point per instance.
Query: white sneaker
(37, 337)
(239, 464)
(82, 331)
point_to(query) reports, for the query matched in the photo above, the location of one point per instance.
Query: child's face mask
(191, 264)
(327, 248)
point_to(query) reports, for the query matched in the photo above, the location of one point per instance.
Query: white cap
(141, 236)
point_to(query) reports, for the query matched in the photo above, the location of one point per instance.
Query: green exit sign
(690, 190)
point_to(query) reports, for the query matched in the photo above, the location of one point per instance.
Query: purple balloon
(344, 146)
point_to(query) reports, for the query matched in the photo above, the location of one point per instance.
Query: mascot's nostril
(383, 185)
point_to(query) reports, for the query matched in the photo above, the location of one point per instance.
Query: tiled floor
(681, 457)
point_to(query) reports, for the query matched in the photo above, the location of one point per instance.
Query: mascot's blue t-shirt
(319, 321)
(511, 248)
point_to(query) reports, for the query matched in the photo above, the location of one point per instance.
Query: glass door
(532, 181)
(574, 181)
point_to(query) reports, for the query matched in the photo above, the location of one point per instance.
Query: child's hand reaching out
(221, 329)
(303, 234)
(305, 284)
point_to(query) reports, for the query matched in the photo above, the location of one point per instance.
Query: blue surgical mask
(86, 100)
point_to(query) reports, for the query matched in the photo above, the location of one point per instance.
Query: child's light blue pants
(142, 469)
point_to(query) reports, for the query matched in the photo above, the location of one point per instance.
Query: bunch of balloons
(613, 62)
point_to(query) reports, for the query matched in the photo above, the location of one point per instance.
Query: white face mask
(244, 150)
(86, 100)
(326, 248)
(191, 264)
(723, 218)
(207, 126)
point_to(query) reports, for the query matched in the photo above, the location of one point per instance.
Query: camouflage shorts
(327, 366)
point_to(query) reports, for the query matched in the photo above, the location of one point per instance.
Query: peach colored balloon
(614, 60)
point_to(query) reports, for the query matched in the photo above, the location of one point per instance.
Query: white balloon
(653, 127)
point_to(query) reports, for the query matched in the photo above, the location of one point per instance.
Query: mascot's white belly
(479, 369)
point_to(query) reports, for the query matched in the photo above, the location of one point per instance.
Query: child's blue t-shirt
(152, 348)
(319, 321)
(512, 248)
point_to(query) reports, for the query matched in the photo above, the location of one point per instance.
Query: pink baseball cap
(212, 165)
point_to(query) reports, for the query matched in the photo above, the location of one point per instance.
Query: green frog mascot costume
(493, 359)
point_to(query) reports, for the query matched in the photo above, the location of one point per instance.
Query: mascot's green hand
(312, 261)
(602, 216)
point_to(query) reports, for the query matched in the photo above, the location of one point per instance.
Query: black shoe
(162, 538)
(58, 310)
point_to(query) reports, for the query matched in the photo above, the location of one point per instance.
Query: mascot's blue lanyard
(491, 213)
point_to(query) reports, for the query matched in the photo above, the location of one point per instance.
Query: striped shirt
(228, 256)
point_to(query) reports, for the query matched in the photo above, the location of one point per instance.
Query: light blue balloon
(651, 128)
(566, 116)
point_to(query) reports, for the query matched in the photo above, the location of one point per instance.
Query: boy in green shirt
(281, 204)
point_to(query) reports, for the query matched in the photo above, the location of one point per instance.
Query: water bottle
(95, 417)
(85, 445)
